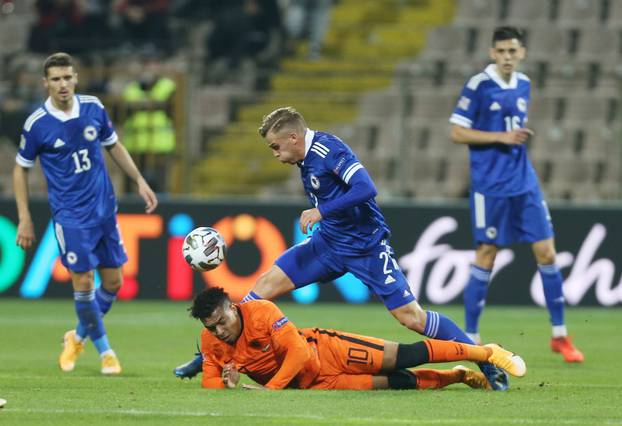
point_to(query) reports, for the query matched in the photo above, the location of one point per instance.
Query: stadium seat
(527, 13)
(477, 12)
(600, 45)
(579, 13)
(547, 43)
(447, 41)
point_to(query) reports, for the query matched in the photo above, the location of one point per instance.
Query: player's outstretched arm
(25, 228)
(464, 135)
(124, 161)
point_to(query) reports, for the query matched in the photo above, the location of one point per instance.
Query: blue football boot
(191, 368)
(496, 376)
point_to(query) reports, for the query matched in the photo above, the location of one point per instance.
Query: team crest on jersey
(315, 182)
(521, 104)
(72, 258)
(90, 133)
(491, 232)
(22, 142)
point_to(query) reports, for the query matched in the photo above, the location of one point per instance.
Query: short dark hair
(280, 118)
(59, 59)
(207, 301)
(507, 33)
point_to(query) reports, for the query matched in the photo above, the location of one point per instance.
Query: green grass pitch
(152, 337)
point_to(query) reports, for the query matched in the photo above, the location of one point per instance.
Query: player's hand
(230, 375)
(516, 136)
(147, 194)
(25, 234)
(250, 386)
(308, 218)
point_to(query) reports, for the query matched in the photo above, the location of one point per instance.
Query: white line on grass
(356, 420)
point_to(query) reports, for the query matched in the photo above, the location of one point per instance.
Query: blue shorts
(85, 249)
(313, 260)
(502, 221)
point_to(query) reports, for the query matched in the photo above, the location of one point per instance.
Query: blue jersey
(327, 173)
(490, 104)
(69, 149)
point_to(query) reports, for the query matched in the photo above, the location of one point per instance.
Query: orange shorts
(347, 361)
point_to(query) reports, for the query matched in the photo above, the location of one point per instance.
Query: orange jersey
(270, 350)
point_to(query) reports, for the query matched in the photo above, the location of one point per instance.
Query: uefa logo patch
(521, 104)
(90, 133)
(491, 232)
(315, 182)
(72, 258)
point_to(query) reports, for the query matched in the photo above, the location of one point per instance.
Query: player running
(67, 133)
(352, 236)
(506, 202)
(256, 339)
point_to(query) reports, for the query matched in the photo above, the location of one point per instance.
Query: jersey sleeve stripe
(347, 170)
(322, 147)
(86, 99)
(318, 152)
(460, 120)
(348, 176)
(23, 161)
(33, 118)
(111, 140)
(476, 80)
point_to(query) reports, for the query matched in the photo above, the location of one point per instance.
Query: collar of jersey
(491, 70)
(62, 115)
(309, 134)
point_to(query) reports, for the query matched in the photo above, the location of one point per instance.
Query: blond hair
(281, 118)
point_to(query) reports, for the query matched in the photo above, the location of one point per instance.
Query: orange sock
(436, 379)
(443, 351)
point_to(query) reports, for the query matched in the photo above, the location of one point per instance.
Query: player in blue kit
(67, 133)
(352, 236)
(506, 203)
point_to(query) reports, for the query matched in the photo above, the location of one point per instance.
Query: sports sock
(251, 296)
(431, 350)
(552, 284)
(402, 379)
(104, 299)
(436, 379)
(438, 326)
(443, 351)
(475, 297)
(89, 316)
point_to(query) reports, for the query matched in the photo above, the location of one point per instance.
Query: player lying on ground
(256, 339)
(352, 237)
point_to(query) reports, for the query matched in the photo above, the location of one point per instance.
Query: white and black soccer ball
(204, 248)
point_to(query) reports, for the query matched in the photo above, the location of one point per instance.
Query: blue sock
(251, 296)
(88, 314)
(438, 326)
(104, 299)
(475, 297)
(102, 344)
(552, 283)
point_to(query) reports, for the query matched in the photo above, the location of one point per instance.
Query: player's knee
(413, 321)
(545, 257)
(113, 285)
(485, 255)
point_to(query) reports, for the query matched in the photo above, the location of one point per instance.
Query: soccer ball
(204, 248)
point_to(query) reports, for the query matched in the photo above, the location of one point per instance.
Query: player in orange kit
(257, 339)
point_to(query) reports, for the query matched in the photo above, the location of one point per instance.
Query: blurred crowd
(128, 48)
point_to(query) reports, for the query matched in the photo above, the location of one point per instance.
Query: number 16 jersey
(490, 104)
